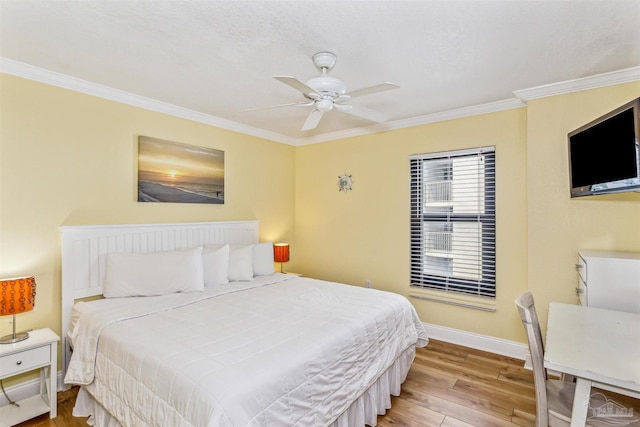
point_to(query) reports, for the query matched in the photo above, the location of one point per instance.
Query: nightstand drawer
(25, 361)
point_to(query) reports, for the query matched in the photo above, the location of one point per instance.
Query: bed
(261, 349)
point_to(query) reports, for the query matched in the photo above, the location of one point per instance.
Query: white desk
(599, 347)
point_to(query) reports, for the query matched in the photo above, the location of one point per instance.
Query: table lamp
(17, 295)
(281, 253)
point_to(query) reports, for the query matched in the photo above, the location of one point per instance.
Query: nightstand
(39, 351)
(293, 274)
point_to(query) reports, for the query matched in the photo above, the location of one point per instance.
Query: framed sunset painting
(172, 172)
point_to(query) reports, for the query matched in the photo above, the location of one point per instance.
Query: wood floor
(447, 386)
(453, 386)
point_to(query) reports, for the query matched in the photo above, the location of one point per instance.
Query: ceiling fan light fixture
(324, 105)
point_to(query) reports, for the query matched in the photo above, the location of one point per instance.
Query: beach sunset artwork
(172, 172)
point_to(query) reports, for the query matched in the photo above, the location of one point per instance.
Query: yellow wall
(558, 226)
(67, 158)
(364, 234)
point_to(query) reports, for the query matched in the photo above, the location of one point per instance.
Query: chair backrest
(527, 310)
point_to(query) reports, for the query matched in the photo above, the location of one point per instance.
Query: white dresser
(609, 280)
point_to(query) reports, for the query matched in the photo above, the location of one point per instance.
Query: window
(453, 221)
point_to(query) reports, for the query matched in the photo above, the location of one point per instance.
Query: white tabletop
(595, 344)
(36, 339)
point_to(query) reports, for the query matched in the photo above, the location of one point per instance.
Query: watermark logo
(609, 412)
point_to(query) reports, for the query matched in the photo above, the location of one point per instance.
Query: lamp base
(14, 338)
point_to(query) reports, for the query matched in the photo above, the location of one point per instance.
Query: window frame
(485, 286)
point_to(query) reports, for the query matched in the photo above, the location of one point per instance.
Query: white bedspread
(278, 351)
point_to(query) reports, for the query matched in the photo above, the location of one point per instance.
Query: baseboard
(27, 389)
(480, 342)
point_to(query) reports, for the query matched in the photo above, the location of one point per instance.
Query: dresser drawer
(25, 361)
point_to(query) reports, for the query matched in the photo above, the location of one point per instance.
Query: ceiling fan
(325, 93)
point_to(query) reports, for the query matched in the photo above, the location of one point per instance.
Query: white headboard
(85, 248)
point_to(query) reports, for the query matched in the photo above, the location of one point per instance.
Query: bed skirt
(363, 411)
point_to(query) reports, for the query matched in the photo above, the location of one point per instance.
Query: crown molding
(474, 110)
(626, 75)
(53, 78)
(42, 75)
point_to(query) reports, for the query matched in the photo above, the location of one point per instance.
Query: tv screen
(603, 154)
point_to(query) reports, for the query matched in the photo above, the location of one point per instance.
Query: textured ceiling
(218, 58)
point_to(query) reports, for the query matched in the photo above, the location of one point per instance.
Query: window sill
(466, 301)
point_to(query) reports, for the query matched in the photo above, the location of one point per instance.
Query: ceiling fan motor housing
(327, 85)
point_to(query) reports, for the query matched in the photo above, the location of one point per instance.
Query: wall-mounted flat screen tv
(604, 156)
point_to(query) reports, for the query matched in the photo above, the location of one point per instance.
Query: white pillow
(215, 263)
(263, 259)
(157, 273)
(241, 263)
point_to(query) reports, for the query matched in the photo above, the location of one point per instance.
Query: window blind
(453, 221)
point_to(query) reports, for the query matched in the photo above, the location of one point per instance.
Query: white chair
(554, 398)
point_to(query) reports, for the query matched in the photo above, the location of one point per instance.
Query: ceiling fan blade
(307, 91)
(342, 107)
(294, 104)
(366, 113)
(372, 89)
(312, 119)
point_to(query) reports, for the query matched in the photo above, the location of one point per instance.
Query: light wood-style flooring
(454, 386)
(447, 386)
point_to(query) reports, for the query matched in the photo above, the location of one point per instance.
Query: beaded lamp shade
(16, 296)
(281, 253)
